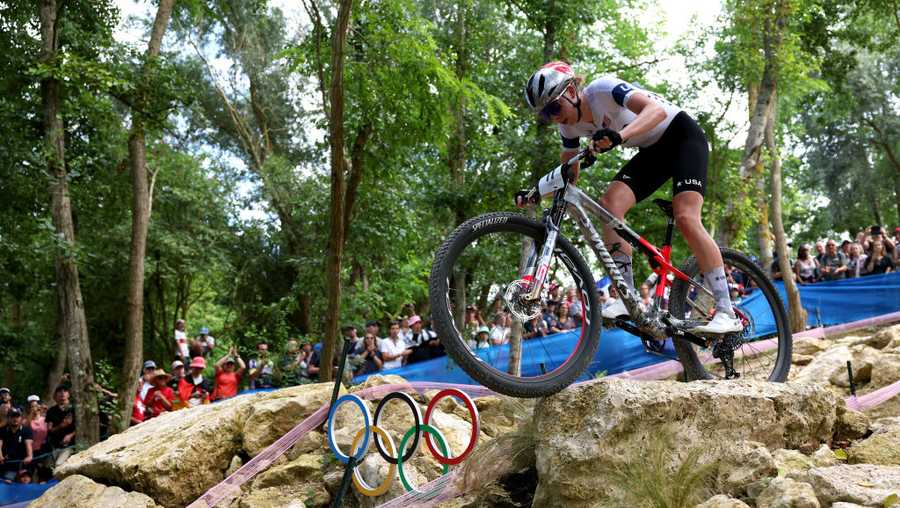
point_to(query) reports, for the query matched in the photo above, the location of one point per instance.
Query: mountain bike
(513, 264)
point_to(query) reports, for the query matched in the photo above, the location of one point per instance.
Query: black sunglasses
(550, 110)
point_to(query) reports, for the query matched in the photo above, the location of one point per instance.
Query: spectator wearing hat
(5, 396)
(147, 378)
(181, 340)
(482, 339)
(394, 349)
(61, 425)
(34, 418)
(193, 389)
(160, 398)
(177, 374)
(261, 370)
(15, 444)
(228, 375)
(204, 344)
(425, 344)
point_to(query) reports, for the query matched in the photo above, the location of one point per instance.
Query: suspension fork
(539, 265)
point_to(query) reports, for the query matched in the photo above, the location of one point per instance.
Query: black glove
(609, 134)
(588, 160)
(526, 197)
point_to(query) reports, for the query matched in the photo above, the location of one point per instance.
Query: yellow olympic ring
(358, 481)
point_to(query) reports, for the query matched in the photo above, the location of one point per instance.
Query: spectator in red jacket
(228, 377)
(194, 389)
(159, 398)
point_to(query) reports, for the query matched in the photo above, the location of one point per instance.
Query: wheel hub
(520, 306)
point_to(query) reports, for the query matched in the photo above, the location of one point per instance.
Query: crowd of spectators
(34, 437)
(871, 252)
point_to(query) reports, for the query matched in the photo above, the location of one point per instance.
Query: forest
(274, 175)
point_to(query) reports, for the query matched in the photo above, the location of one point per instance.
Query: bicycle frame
(568, 198)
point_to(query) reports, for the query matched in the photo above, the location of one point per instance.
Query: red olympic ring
(473, 411)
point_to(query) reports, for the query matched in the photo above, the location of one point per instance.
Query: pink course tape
(230, 488)
(671, 368)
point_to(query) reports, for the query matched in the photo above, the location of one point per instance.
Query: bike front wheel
(480, 264)
(762, 350)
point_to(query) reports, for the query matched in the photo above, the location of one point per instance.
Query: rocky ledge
(608, 443)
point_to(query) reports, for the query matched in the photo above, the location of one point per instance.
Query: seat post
(670, 227)
(666, 207)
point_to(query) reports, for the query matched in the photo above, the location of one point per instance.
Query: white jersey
(607, 97)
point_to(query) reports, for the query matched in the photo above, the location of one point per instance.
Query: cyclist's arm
(649, 115)
(564, 156)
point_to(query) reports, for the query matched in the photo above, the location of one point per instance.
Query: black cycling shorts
(682, 154)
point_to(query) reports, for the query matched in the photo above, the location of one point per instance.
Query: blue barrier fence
(828, 303)
(13, 493)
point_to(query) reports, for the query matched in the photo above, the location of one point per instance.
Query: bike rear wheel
(480, 263)
(762, 350)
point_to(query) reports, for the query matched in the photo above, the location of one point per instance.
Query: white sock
(718, 283)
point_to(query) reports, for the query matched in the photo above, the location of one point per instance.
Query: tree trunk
(59, 363)
(796, 313)
(338, 166)
(764, 234)
(68, 288)
(457, 157)
(762, 101)
(140, 222)
(305, 310)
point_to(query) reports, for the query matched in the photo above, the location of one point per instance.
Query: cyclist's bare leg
(687, 206)
(618, 199)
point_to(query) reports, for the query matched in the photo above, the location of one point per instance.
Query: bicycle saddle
(665, 205)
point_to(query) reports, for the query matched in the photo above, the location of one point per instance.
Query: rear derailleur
(723, 350)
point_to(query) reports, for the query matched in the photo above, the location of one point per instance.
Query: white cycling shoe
(720, 323)
(615, 309)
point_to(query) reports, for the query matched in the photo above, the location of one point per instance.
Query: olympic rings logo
(394, 456)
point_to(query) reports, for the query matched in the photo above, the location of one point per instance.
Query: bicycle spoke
(757, 305)
(491, 269)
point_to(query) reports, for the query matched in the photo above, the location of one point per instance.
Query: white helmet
(547, 84)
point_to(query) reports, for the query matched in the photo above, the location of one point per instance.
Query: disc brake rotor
(520, 306)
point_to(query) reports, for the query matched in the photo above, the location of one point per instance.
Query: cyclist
(671, 145)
